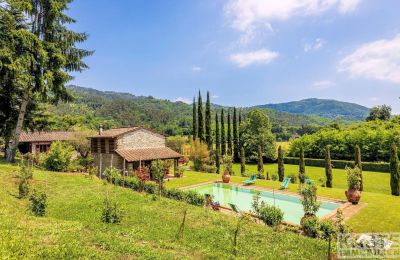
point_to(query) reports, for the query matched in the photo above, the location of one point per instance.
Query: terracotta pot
(353, 196)
(226, 177)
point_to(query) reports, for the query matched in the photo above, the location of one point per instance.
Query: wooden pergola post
(176, 167)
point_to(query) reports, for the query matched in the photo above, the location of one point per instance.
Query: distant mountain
(326, 108)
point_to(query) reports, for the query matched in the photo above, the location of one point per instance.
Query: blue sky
(245, 52)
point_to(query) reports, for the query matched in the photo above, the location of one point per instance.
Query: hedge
(188, 196)
(341, 164)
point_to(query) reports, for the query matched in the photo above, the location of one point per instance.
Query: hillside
(92, 107)
(72, 227)
(326, 108)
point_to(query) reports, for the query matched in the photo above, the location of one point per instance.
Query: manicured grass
(72, 226)
(380, 214)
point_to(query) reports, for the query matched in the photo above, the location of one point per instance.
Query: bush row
(341, 164)
(190, 197)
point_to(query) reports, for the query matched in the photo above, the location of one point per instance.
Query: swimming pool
(243, 198)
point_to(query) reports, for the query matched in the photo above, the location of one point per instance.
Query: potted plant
(354, 183)
(309, 201)
(226, 177)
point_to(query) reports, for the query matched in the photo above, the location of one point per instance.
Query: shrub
(59, 157)
(132, 183)
(274, 177)
(293, 178)
(111, 212)
(143, 175)
(309, 199)
(353, 178)
(175, 194)
(327, 229)
(26, 172)
(23, 188)
(269, 214)
(38, 201)
(158, 173)
(111, 174)
(310, 226)
(194, 198)
(92, 171)
(150, 187)
(199, 154)
(209, 168)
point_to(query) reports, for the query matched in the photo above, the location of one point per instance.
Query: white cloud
(196, 68)
(316, 45)
(322, 84)
(183, 99)
(246, 14)
(245, 59)
(375, 60)
(214, 96)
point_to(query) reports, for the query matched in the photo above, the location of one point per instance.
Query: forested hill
(322, 107)
(123, 109)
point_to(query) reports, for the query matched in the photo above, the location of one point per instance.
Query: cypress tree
(242, 161)
(200, 121)
(260, 167)
(302, 166)
(223, 141)
(229, 134)
(236, 150)
(358, 163)
(194, 130)
(281, 166)
(208, 122)
(394, 171)
(328, 167)
(217, 144)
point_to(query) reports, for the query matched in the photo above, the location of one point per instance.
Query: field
(72, 226)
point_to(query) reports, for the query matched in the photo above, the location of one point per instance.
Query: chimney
(100, 129)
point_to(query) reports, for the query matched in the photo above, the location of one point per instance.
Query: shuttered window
(103, 145)
(94, 146)
(111, 145)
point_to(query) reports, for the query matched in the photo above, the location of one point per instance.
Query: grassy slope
(380, 214)
(72, 227)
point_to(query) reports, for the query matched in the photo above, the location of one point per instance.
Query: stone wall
(102, 161)
(140, 139)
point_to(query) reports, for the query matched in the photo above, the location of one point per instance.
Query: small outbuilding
(125, 148)
(40, 142)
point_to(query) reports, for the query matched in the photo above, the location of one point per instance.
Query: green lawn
(381, 213)
(72, 227)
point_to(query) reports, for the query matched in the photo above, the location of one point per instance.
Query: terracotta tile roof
(134, 155)
(116, 132)
(45, 136)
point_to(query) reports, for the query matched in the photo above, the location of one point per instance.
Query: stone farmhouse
(125, 148)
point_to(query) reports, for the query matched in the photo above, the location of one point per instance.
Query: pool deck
(348, 209)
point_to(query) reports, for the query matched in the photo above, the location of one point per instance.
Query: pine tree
(281, 166)
(236, 149)
(358, 163)
(328, 167)
(229, 134)
(208, 123)
(200, 121)
(223, 141)
(242, 161)
(194, 130)
(49, 55)
(260, 166)
(302, 166)
(394, 171)
(217, 145)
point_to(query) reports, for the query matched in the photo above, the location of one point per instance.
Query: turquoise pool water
(243, 197)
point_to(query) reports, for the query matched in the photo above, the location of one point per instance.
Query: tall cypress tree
(328, 167)
(260, 166)
(194, 130)
(208, 122)
(229, 134)
(236, 149)
(223, 141)
(394, 171)
(281, 166)
(242, 161)
(302, 166)
(217, 144)
(358, 163)
(200, 121)
(239, 131)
